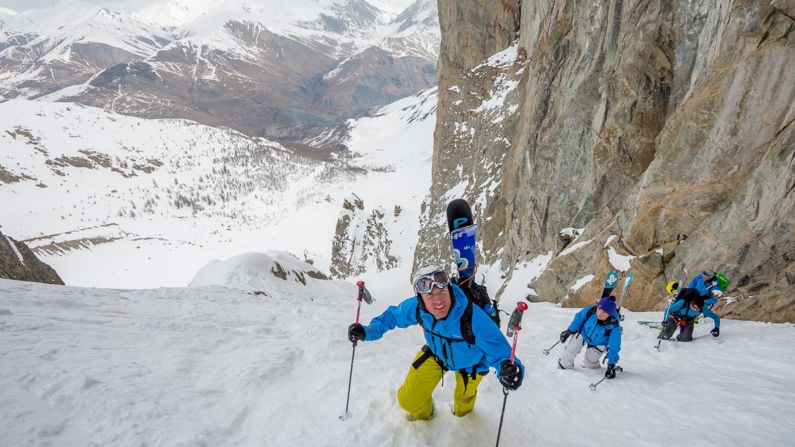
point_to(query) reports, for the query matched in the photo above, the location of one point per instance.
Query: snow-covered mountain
(285, 70)
(112, 200)
(47, 50)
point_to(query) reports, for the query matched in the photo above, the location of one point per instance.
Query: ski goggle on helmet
(430, 276)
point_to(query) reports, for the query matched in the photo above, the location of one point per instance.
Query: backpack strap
(478, 294)
(611, 321)
(588, 315)
(426, 354)
(466, 326)
(466, 375)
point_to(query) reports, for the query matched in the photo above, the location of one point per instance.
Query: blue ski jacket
(705, 288)
(599, 333)
(679, 309)
(444, 336)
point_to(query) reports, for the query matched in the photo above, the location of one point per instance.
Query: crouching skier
(599, 328)
(682, 315)
(460, 337)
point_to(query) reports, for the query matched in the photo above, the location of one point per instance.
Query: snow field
(212, 366)
(162, 245)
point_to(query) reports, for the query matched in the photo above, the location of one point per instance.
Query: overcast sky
(21, 5)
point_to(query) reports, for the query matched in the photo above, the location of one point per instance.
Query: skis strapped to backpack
(463, 237)
(627, 282)
(611, 280)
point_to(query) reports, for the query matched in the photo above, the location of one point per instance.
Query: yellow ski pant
(414, 395)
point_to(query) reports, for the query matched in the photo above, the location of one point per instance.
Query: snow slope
(146, 203)
(212, 366)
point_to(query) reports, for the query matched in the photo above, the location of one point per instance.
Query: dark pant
(669, 327)
(686, 331)
(685, 325)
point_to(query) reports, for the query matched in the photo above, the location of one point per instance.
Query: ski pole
(546, 351)
(513, 330)
(594, 385)
(363, 295)
(662, 329)
(670, 302)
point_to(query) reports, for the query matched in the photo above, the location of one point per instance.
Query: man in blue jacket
(597, 327)
(682, 314)
(707, 286)
(460, 337)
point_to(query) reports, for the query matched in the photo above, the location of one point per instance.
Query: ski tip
(459, 214)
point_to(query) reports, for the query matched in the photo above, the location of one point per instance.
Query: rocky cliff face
(361, 240)
(18, 262)
(664, 129)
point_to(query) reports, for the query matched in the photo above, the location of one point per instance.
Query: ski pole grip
(360, 284)
(514, 326)
(514, 323)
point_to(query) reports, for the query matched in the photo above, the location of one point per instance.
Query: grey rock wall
(663, 127)
(361, 240)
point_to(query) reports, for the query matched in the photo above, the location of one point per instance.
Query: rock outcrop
(19, 263)
(665, 129)
(361, 241)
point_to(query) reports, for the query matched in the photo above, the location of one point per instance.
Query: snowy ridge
(78, 22)
(45, 50)
(35, 44)
(223, 367)
(260, 272)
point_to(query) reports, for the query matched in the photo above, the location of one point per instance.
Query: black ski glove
(356, 332)
(510, 375)
(611, 372)
(564, 336)
(715, 332)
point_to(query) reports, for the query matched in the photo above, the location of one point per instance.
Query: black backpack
(477, 294)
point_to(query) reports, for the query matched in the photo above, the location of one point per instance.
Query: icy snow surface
(573, 247)
(621, 262)
(212, 366)
(581, 282)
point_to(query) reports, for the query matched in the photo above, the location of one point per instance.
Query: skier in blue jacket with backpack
(682, 314)
(460, 337)
(597, 327)
(707, 286)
